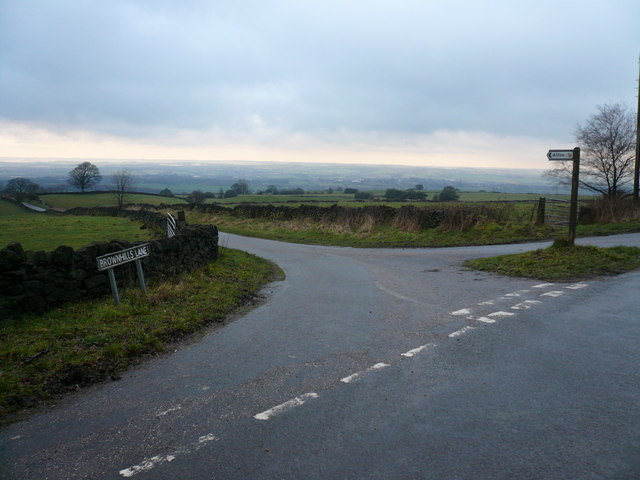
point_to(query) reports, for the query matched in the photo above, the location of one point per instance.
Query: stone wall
(38, 280)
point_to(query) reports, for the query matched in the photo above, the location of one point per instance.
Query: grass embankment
(39, 231)
(562, 263)
(373, 236)
(42, 356)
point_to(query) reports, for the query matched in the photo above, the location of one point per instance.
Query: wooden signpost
(563, 156)
(111, 260)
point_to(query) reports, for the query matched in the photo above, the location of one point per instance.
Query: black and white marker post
(563, 156)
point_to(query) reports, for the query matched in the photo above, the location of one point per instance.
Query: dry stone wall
(38, 280)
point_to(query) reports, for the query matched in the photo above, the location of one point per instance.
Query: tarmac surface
(376, 364)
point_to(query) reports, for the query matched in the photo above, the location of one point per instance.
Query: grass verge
(379, 236)
(562, 263)
(42, 356)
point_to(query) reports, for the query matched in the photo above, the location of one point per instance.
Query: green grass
(39, 231)
(10, 209)
(65, 201)
(42, 356)
(562, 263)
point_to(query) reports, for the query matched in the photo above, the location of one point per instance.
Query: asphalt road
(372, 364)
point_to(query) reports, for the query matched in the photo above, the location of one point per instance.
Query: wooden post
(636, 169)
(541, 211)
(573, 212)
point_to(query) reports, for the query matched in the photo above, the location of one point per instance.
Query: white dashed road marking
(358, 375)
(463, 330)
(152, 462)
(165, 412)
(412, 353)
(500, 314)
(577, 286)
(526, 305)
(485, 320)
(553, 293)
(464, 311)
(286, 406)
(543, 285)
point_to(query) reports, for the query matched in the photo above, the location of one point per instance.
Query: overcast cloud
(310, 74)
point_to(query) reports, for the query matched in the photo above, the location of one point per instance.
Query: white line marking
(543, 285)
(146, 465)
(277, 410)
(152, 462)
(464, 311)
(485, 320)
(356, 376)
(206, 439)
(553, 293)
(161, 414)
(457, 333)
(17, 437)
(415, 351)
(397, 295)
(488, 302)
(577, 286)
(526, 305)
(500, 314)
(512, 295)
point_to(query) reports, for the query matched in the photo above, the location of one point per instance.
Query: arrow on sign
(560, 155)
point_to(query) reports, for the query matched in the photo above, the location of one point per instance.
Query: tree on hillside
(84, 176)
(607, 141)
(22, 188)
(166, 192)
(448, 194)
(241, 187)
(395, 195)
(197, 197)
(123, 184)
(21, 185)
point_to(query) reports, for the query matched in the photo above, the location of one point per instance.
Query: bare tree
(607, 141)
(21, 185)
(84, 176)
(123, 184)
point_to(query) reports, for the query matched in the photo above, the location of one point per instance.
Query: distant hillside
(183, 177)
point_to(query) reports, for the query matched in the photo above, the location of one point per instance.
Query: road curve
(365, 363)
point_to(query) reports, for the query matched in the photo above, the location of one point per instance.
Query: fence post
(573, 213)
(541, 211)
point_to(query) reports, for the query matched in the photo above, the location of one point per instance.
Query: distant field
(66, 201)
(39, 231)
(348, 199)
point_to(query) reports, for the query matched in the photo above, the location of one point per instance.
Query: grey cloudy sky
(415, 82)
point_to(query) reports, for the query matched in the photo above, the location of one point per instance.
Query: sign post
(563, 156)
(111, 260)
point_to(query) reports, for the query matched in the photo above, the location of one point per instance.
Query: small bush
(609, 210)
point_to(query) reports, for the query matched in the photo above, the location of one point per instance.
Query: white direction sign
(560, 155)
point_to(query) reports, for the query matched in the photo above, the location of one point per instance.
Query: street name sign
(109, 261)
(560, 155)
(114, 259)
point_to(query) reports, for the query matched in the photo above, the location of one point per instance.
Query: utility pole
(636, 171)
